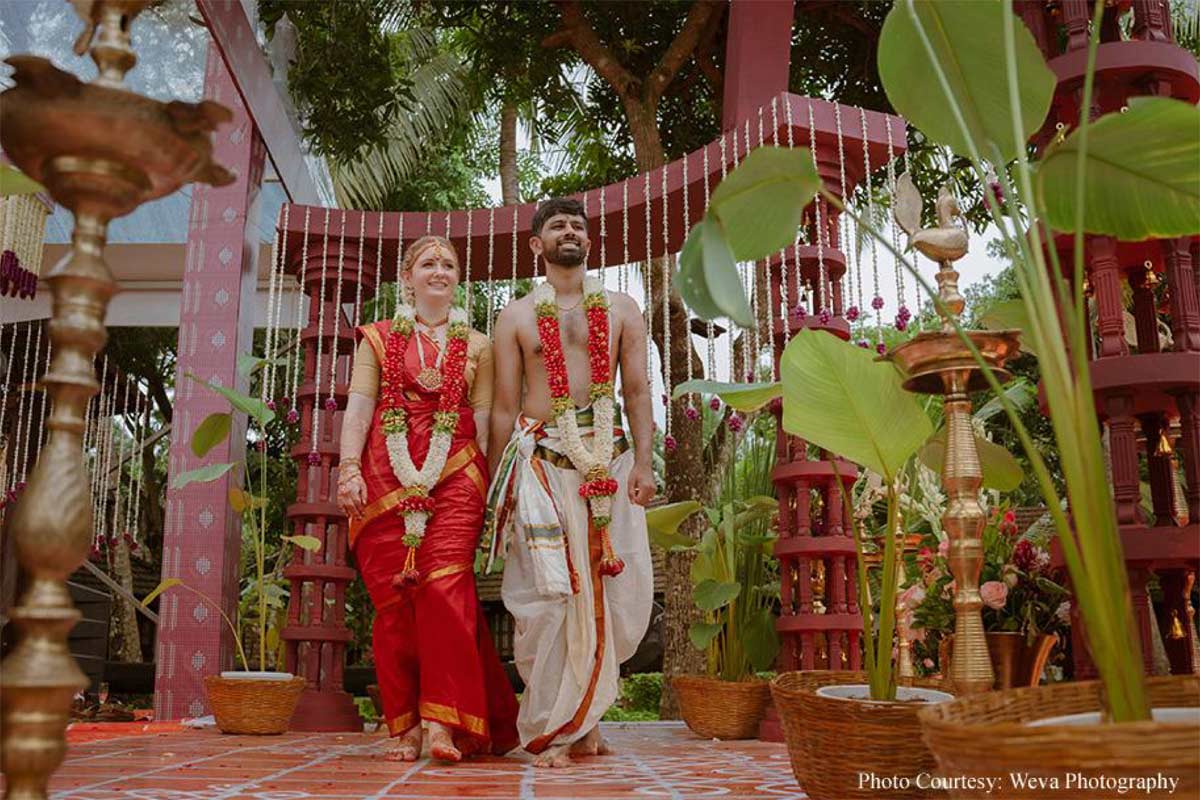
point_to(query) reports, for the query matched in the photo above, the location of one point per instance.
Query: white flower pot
(236, 675)
(861, 693)
(1185, 716)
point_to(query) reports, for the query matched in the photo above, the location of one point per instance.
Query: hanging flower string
(416, 504)
(592, 463)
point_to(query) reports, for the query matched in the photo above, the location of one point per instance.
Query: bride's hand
(352, 494)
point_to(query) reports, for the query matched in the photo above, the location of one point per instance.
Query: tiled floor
(653, 760)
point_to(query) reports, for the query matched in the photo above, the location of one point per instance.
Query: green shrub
(642, 692)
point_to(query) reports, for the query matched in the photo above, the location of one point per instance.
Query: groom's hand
(641, 485)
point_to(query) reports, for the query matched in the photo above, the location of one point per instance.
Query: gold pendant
(430, 379)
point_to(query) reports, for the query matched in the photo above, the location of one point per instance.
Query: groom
(568, 490)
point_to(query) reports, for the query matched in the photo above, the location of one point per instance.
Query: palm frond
(441, 97)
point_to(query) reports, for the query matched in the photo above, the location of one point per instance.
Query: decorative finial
(945, 243)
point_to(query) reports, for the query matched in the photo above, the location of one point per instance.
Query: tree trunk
(129, 648)
(510, 186)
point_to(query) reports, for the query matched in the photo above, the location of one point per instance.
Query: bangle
(350, 462)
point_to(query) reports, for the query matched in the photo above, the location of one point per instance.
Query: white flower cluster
(439, 445)
(599, 456)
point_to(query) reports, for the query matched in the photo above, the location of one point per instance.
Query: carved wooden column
(1188, 446)
(1106, 283)
(316, 634)
(1185, 311)
(1122, 446)
(1161, 467)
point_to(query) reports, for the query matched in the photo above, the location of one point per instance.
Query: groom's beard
(570, 257)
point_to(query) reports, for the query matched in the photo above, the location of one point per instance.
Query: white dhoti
(573, 626)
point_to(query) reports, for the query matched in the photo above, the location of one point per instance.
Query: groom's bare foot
(441, 744)
(554, 757)
(592, 744)
(406, 747)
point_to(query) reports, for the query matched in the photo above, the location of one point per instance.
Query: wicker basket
(253, 706)
(718, 709)
(987, 736)
(832, 741)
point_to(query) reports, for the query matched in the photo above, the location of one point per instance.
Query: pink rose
(944, 548)
(928, 663)
(994, 594)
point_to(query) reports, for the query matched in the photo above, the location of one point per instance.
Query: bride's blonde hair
(415, 249)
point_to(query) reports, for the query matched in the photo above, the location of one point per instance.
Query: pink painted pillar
(202, 540)
(758, 55)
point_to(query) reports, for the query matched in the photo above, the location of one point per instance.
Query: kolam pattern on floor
(140, 761)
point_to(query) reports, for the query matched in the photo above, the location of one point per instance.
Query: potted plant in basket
(733, 586)
(243, 701)
(1131, 175)
(1025, 609)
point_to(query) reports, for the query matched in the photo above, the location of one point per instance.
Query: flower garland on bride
(416, 504)
(592, 463)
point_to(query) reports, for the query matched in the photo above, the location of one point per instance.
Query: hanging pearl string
(264, 383)
(738, 373)
(116, 511)
(470, 295)
(781, 310)
(821, 293)
(273, 329)
(623, 276)
(106, 472)
(358, 288)
(26, 371)
(687, 355)
(756, 309)
(7, 375)
(378, 265)
(710, 364)
(728, 321)
(44, 432)
(798, 277)
(330, 400)
(902, 313)
(399, 261)
(877, 300)
(666, 299)
(31, 387)
(512, 284)
(491, 254)
(296, 357)
(603, 234)
(313, 455)
(97, 415)
(135, 487)
(849, 243)
(649, 306)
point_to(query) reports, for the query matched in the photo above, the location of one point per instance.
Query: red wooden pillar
(758, 56)
(202, 537)
(316, 634)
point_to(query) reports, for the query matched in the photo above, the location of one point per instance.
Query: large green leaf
(708, 278)
(247, 363)
(304, 542)
(761, 640)
(662, 524)
(967, 38)
(1141, 175)
(838, 397)
(13, 182)
(1021, 393)
(760, 203)
(210, 433)
(739, 396)
(1008, 315)
(701, 634)
(251, 406)
(711, 595)
(201, 475)
(1001, 470)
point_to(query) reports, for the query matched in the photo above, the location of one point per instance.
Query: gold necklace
(430, 378)
(570, 308)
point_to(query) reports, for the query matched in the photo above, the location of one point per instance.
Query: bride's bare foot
(554, 757)
(441, 744)
(406, 747)
(592, 744)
